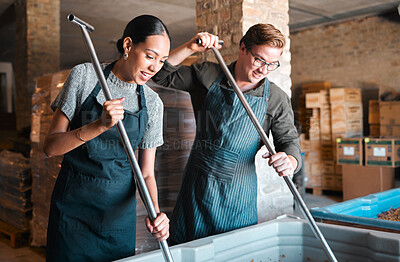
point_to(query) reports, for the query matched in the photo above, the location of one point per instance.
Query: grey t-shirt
(81, 82)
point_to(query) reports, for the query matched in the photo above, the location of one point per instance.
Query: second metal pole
(270, 148)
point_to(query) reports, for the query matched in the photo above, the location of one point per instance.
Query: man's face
(249, 62)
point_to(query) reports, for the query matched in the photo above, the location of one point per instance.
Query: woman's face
(146, 59)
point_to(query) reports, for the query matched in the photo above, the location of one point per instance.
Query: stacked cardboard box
(15, 189)
(317, 127)
(347, 112)
(350, 151)
(324, 172)
(44, 170)
(389, 118)
(373, 118)
(304, 112)
(384, 152)
(347, 117)
(368, 164)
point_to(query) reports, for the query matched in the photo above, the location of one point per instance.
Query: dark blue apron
(219, 187)
(93, 207)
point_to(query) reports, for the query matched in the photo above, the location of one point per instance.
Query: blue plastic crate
(363, 210)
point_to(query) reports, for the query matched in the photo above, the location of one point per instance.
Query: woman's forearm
(61, 140)
(152, 187)
(59, 143)
(146, 161)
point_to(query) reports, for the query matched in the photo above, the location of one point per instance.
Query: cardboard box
(338, 170)
(382, 152)
(349, 128)
(374, 130)
(373, 112)
(347, 111)
(339, 181)
(315, 87)
(349, 151)
(312, 100)
(328, 167)
(327, 152)
(314, 181)
(359, 181)
(304, 144)
(314, 130)
(316, 168)
(345, 95)
(325, 120)
(315, 146)
(389, 130)
(389, 113)
(328, 181)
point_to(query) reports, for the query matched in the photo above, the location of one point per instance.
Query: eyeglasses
(258, 62)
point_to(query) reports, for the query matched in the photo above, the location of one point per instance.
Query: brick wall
(223, 18)
(230, 19)
(359, 53)
(37, 50)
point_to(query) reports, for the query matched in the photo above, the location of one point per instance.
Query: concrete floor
(144, 241)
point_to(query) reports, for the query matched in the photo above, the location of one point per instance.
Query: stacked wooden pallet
(44, 170)
(329, 113)
(15, 197)
(15, 189)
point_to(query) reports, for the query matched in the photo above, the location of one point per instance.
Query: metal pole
(144, 192)
(268, 144)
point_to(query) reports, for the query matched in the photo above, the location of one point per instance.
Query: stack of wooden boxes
(319, 130)
(44, 170)
(314, 116)
(347, 112)
(330, 113)
(347, 120)
(305, 113)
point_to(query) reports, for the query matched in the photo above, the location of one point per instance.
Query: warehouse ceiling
(110, 16)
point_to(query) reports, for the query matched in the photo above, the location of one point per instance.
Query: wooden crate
(344, 95)
(315, 86)
(373, 112)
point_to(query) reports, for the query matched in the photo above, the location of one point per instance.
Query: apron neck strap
(219, 78)
(106, 72)
(267, 88)
(140, 93)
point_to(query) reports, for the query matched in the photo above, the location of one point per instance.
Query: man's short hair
(263, 34)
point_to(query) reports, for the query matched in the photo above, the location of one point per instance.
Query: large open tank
(362, 212)
(285, 239)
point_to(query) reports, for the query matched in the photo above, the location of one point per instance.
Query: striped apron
(219, 187)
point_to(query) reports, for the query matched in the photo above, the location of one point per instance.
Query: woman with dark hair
(93, 205)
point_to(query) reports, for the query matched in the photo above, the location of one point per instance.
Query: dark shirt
(198, 78)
